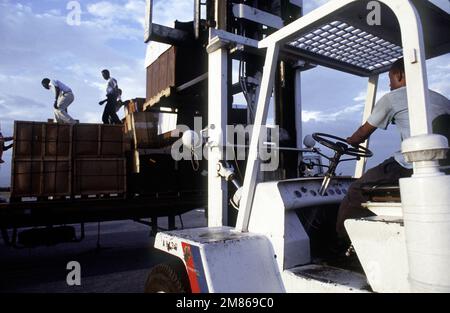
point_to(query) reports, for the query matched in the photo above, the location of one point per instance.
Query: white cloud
(313, 4)
(167, 11)
(325, 116)
(25, 108)
(90, 117)
(439, 74)
(103, 9)
(132, 10)
(360, 97)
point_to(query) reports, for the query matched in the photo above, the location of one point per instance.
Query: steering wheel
(341, 146)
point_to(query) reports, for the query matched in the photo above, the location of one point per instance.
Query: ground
(121, 265)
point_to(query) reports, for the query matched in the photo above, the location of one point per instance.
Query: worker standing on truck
(63, 98)
(112, 93)
(392, 108)
(119, 103)
(3, 147)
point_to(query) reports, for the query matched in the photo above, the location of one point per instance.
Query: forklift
(277, 243)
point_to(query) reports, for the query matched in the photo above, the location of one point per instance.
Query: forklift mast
(250, 21)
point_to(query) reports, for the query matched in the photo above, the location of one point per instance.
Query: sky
(37, 42)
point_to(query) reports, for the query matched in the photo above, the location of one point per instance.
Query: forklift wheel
(168, 278)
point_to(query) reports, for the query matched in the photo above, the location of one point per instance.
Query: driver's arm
(361, 135)
(381, 117)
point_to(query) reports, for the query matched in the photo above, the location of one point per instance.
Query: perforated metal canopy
(345, 41)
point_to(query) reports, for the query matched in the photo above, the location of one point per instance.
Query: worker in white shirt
(112, 93)
(63, 98)
(392, 108)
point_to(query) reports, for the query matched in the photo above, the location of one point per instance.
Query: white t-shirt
(393, 108)
(111, 87)
(60, 85)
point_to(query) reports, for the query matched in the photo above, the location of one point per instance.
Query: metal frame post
(217, 121)
(148, 20)
(298, 111)
(368, 108)
(253, 163)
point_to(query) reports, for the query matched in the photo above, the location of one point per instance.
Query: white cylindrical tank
(426, 213)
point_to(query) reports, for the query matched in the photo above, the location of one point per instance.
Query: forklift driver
(392, 108)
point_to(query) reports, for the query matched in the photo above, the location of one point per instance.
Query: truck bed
(58, 212)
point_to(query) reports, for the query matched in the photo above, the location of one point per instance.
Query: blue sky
(37, 42)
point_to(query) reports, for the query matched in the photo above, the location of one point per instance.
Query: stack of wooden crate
(99, 163)
(41, 164)
(142, 131)
(62, 161)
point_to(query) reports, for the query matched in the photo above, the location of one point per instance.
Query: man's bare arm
(361, 135)
(57, 93)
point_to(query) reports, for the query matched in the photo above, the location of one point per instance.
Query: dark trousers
(387, 173)
(109, 115)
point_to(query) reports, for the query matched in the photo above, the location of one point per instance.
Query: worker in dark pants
(3, 147)
(112, 92)
(390, 109)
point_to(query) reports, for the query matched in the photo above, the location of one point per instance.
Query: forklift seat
(391, 193)
(382, 193)
(384, 200)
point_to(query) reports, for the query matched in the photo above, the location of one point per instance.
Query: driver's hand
(352, 142)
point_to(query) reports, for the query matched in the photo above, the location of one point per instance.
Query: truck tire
(168, 278)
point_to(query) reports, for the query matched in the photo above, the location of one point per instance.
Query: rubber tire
(168, 278)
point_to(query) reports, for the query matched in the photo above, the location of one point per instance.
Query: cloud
(439, 74)
(167, 11)
(28, 108)
(132, 10)
(313, 4)
(326, 116)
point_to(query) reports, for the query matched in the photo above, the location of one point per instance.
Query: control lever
(325, 183)
(226, 171)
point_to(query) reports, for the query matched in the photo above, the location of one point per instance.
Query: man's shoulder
(396, 97)
(399, 92)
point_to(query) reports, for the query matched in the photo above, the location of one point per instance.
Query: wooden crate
(56, 178)
(86, 140)
(172, 69)
(142, 129)
(111, 141)
(135, 105)
(161, 73)
(28, 139)
(99, 176)
(98, 141)
(41, 178)
(41, 140)
(57, 140)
